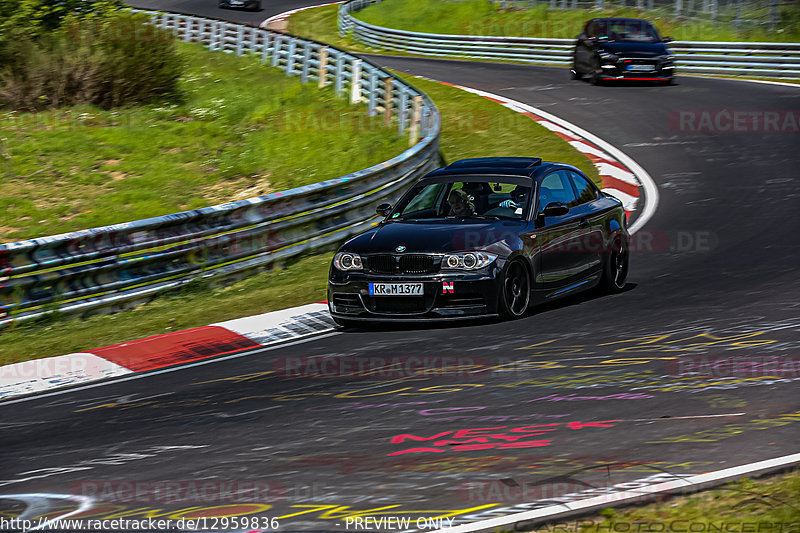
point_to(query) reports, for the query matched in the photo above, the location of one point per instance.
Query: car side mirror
(555, 209)
(667, 40)
(384, 210)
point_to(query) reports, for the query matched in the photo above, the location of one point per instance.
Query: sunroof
(499, 162)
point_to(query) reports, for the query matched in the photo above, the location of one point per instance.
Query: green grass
(773, 502)
(471, 126)
(241, 130)
(481, 17)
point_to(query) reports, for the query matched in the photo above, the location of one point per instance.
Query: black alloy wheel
(516, 293)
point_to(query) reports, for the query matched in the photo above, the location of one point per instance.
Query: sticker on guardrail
(175, 348)
(38, 375)
(278, 326)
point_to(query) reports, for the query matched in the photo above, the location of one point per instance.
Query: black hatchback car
(622, 49)
(485, 236)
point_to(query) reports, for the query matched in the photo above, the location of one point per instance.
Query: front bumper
(625, 69)
(450, 295)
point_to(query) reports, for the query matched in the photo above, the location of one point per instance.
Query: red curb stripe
(175, 348)
(597, 159)
(610, 182)
(567, 137)
(493, 99)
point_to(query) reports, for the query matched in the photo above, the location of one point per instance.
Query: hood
(436, 237)
(634, 49)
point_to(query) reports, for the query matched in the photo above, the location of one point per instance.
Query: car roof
(492, 166)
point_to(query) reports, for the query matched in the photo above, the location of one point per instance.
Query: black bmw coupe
(622, 49)
(484, 236)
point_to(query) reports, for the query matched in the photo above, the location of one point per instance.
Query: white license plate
(640, 68)
(395, 289)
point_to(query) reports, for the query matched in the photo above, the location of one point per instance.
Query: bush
(107, 61)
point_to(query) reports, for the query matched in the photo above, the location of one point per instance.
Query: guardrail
(727, 58)
(115, 267)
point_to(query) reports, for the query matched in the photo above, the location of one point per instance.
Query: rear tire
(515, 291)
(573, 73)
(615, 266)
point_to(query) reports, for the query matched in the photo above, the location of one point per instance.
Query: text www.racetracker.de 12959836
(203, 523)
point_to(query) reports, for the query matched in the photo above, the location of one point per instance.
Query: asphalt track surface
(714, 279)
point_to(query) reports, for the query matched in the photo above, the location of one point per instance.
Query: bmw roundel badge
(400, 248)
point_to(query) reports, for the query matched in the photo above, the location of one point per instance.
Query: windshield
(464, 200)
(627, 30)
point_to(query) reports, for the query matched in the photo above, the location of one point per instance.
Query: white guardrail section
(779, 60)
(116, 267)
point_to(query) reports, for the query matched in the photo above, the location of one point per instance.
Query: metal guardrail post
(338, 86)
(306, 62)
(212, 45)
(239, 40)
(323, 67)
(388, 100)
(265, 48)
(290, 59)
(355, 81)
(276, 50)
(187, 36)
(416, 117)
(402, 113)
(373, 90)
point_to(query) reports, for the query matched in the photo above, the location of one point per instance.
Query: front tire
(515, 291)
(615, 266)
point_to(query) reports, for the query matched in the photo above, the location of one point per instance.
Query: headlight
(467, 260)
(612, 58)
(345, 261)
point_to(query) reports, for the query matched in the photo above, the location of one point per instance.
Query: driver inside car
(460, 205)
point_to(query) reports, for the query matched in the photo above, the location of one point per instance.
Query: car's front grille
(382, 264)
(401, 264)
(416, 264)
